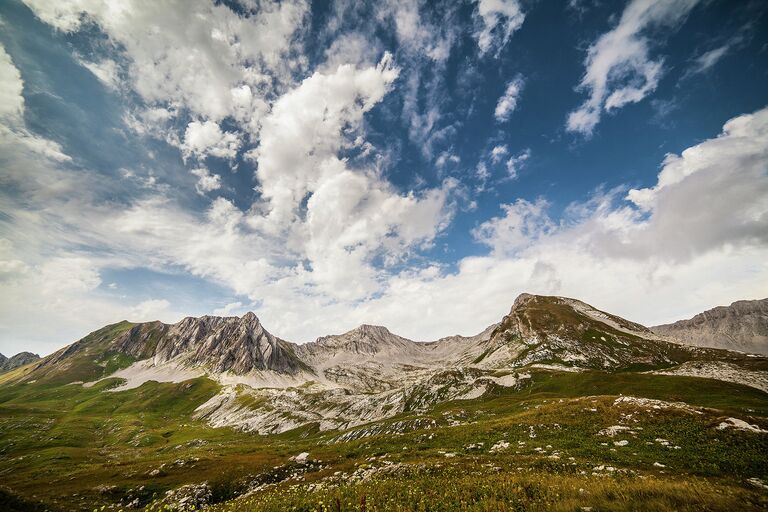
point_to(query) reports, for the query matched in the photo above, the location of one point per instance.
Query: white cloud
(498, 20)
(619, 68)
(708, 59)
(149, 310)
(499, 152)
(206, 182)
(523, 224)
(13, 132)
(508, 101)
(192, 53)
(515, 163)
(207, 138)
(307, 127)
(107, 71)
(229, 309)
(11, 87)
(445, 158)
(61, 275)
(351, 48)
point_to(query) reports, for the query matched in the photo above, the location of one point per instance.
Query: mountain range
(369, 373)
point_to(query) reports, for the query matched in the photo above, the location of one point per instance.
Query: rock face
(741, 326)
(238, 345)
(20, 359)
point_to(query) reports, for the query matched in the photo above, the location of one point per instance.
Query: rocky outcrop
(238, 345)
(21, 359)
(741, 326)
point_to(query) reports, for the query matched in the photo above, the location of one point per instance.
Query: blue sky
(412, 164)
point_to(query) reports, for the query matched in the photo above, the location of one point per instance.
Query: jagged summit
(217, 344)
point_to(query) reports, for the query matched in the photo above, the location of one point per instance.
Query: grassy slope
(81, 442)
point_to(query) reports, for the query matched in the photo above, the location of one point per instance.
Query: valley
(559, 406)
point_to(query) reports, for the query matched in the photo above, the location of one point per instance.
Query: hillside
(741, 326)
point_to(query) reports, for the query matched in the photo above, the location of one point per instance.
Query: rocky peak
(552, 328)
(20, 359)
(364, 340)
(250, 317)
(372, 331)
(236, 344)
(522, 300)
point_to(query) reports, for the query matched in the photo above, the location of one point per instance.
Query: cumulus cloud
(508, 101)
(497, 21)
(307, 127)
(522, 224)
(206, 182)
(619, 66)
(194, 54)
(207, 138)
(350, 214)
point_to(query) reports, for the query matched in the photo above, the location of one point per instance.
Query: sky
(409, 164)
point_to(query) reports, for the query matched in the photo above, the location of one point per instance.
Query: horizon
(415, 166)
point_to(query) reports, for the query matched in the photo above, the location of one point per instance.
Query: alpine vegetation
(383, 256)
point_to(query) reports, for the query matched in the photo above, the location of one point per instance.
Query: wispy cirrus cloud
(619, 68)
(509, 100)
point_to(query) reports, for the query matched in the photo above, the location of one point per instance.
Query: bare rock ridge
(232, 344)
(20, 359)
(741, 326)
(214, 344)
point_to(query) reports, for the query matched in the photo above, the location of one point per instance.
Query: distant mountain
(741, 326)
(20, 359)
(369, 373)
(212, 344)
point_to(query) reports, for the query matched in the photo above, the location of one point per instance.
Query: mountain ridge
(537, 328)
(743, 325)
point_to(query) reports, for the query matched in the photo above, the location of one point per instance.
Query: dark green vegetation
(66, 447)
